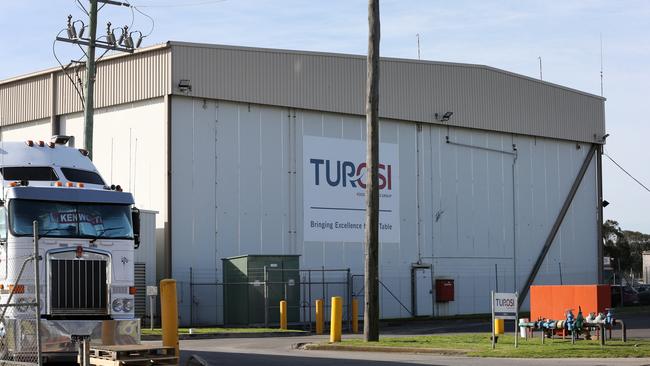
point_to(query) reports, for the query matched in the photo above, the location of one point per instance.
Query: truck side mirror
(135, 218)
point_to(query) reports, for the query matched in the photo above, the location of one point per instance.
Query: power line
(197, 3)
(109, 42)
(153, 22)
(626, 172)
(65, 69)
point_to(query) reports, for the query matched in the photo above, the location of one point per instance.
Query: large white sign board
(334, 174)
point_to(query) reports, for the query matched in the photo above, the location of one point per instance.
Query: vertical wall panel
(456, 202)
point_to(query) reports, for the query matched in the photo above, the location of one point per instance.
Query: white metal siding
(130, 149)
(35, 130)
(234, 192)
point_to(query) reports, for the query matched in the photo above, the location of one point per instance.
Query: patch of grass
(479, 345)
(157, 331)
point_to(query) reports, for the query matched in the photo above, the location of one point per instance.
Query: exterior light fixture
(443, 117)
(185, 85)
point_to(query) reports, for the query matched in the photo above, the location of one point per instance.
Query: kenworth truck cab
(87, 235)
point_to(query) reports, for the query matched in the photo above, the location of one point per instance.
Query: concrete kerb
(340, 347)
(186, 336)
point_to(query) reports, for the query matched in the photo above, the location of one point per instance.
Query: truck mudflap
(56, 334)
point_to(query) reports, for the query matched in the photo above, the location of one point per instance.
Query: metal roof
(481, 97)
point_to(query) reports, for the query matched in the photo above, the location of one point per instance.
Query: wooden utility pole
(371, 278)
(89, 94)
(125, 44)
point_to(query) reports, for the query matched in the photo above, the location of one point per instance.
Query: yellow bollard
(336, 319)
(283, 315)
(355, 316)
(169, 314)
(319, 317)
(499, 326)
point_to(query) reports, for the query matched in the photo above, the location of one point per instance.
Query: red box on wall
(444, 290)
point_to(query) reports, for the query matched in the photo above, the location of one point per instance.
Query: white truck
(87, 235)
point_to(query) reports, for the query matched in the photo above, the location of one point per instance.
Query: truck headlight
(127, 305)
(117, 305)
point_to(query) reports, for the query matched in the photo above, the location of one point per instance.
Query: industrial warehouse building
(246, 151)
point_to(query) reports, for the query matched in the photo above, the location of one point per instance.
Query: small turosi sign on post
(152, 292)
(504, 306)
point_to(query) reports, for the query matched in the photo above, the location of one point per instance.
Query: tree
(625, 247)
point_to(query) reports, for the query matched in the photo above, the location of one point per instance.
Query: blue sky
(506, 34)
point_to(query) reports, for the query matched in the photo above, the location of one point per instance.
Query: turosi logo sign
(334, 181)
(508, 303)
(347, 174)
(505, 305)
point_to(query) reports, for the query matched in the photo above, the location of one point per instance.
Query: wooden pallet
(134, 354)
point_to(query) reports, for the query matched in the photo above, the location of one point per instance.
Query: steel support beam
(556, 226)
(599, 222)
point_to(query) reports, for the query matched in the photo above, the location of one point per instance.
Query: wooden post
(89, 87)
(371, 279)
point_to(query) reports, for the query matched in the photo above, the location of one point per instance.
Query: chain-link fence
(20, 311)
(403, 293)
(261, 295)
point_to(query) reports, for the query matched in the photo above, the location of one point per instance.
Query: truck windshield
(70, 219)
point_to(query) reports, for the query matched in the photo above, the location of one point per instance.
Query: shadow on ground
(239, 359)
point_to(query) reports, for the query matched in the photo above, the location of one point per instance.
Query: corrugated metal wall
(25, 100)
(144, 75)
(235, 193)
(480, 97)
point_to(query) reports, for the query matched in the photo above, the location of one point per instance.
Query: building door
(422, 285)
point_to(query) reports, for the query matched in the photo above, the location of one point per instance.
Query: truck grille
(78, 287)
